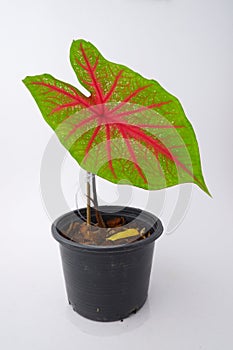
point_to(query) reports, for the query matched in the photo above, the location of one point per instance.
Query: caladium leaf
(129, 130)
(57, 100)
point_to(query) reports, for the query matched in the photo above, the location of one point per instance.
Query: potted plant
(129, 130)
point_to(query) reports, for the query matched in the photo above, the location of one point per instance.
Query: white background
(187, 46)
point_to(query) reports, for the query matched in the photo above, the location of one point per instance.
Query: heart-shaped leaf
(129, 130)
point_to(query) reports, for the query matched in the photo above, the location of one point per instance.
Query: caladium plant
(126, 129)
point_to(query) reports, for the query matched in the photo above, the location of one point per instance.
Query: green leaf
(129, 130)
(57, 100)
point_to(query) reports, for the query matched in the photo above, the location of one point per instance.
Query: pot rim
(128, 212)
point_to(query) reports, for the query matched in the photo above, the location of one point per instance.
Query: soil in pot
(115, 232)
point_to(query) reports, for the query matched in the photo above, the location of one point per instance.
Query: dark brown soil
(85, 234)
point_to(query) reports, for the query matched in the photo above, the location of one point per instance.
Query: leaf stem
(99, 217)
(88, 189)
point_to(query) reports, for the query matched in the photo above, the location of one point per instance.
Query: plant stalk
(88, 189)
(99, 217)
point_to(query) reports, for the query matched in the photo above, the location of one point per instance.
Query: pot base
(99, 317)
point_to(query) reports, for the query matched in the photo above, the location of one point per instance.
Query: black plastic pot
(107, 283)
